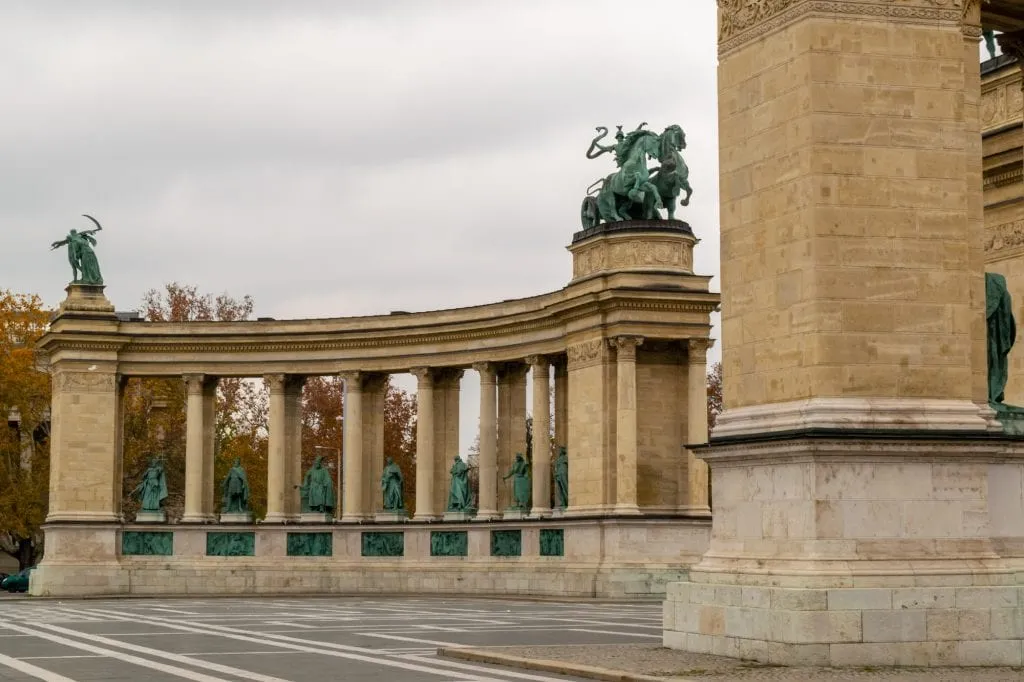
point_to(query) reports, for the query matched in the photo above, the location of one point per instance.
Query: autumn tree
(24, 442)
(714, 393)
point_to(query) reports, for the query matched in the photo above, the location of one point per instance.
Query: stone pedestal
(458, 516)
(238, 517)
(315, 517)
(515, 514)
(391, 516)
(859, 549)
(151, 517)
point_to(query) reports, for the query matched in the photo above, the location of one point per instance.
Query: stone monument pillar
(858, 477)
(85, 448)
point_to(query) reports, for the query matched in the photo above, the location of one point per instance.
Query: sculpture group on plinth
(392, 486)
(460, 497)
(152, 492)
(85, 268)
(317, 494)
(235, 491)
(636, 192)
(521, 488)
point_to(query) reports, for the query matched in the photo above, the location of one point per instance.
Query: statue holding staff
(85, 268)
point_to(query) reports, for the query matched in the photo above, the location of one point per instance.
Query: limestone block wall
(661, 427)
(845, 217)
(591, 425)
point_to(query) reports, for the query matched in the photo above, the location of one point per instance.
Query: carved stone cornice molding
(84, 382)
(742, 21)
(1002, 102)
(586, 353)
(1005, 237)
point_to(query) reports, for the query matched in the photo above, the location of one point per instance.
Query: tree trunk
(26, 554)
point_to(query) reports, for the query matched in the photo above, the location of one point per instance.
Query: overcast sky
(336, 158)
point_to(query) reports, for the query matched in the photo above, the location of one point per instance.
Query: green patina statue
(1002, 333)
(152, 490)
(391, 485)
(459, 497)
(317, 490)
(85, 269)
(235, 490)
(520, 475)
(990, 43)
(561, 467)
(636, 192)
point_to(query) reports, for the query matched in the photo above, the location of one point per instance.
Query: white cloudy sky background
(335, 158)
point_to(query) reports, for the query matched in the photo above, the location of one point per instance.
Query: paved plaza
(296, 639)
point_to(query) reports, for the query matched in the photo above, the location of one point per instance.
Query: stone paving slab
(648, 662)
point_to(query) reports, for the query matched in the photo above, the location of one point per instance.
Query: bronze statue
(85, 268)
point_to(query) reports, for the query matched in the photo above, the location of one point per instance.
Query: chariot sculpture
(634, 191)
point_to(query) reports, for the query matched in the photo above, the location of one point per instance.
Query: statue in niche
(520, 475)
(1002, 333)
(85, 268)
(990, 43)
(317, 490)
(561, 471)
(459, 497)
(235, 490)
(152, 490)
(391, 483)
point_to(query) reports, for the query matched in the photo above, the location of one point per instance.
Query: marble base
(391, 516)
(1011, 417)
(150, 517)
(236, 517)
(856, 550)
(315, 517)
(515, 514)
(458, 516)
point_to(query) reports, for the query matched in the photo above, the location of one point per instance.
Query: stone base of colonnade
(853, 549)
(578, 558)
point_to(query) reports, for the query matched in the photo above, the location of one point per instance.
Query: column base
(199, 518)
(400, 516)
(315, 517)
(83, 517)
(350, 518)
(515, 514)
(626, 510)
(539, 513)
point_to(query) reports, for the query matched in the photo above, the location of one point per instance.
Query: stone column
(424, 444)
(625, 424)
(855, 461)
(277, 463)
(447, 386)
(561, 402)
(293, 445)
(696, 486)
(197, 479)
(541, 471)
(353, 509)
(488, 461)
(374, 405)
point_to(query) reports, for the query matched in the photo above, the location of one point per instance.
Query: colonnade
(502, 433)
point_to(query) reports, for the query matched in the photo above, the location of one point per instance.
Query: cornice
(743, 21)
